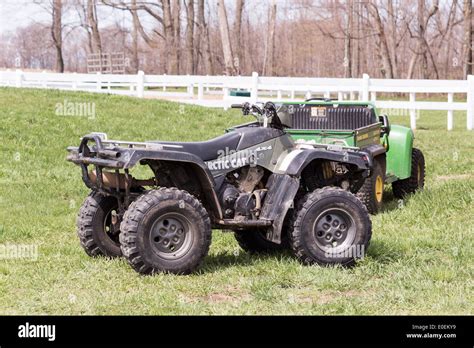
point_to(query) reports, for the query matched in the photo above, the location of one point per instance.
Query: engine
(243, 193)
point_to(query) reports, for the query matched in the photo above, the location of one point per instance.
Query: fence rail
(214, 91)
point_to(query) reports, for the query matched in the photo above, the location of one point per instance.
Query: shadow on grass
(215, 263)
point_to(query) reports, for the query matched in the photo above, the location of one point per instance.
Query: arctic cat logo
(229, 163)
(37, 331)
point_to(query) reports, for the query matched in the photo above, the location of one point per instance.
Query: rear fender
(400, 144)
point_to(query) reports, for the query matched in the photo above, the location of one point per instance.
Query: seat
(210, 149)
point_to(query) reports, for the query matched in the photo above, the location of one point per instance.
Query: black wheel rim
(334, 230)
(171, 236)
(109, 228)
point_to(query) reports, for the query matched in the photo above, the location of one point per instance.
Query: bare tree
(382, 46)
(467, 40)
(268, 64)
(56, 32)
(96, 45)
(239, 8)
(225, 38)
(190, 37)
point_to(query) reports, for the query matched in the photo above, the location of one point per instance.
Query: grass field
(420, 260)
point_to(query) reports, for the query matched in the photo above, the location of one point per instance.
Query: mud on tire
(165, 230)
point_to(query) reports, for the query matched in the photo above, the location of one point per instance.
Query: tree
(467, 40)
(190, 37)
(56, 33)
(268, 64)
(225, 38)
(239, 7)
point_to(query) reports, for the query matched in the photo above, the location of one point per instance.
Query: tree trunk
(238, 34)
(96, 44)
(176, 48)
(268, 66)
(467, 40)
(190, 37)
(136, 23)
(387, 70)
(348, 40)
(225, 38)
(56, 31)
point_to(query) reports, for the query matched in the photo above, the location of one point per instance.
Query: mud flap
(282, 190)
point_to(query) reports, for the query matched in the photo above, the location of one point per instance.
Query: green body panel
(400, 144)
(361, 137)
(345, 138)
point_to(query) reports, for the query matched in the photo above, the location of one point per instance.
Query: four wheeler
(255, 180)
(357, 124)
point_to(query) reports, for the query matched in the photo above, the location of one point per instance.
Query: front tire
(331, 226)
(165, 230)
(416, 181)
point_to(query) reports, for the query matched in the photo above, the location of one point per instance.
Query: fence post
(19, 78)
(98, 85)
(200, 91)
(254, 91)
(412, 112)
(365, 87)
(140, 84)
(164, 82)
(450, 113)
(470, 102)
(74, 81)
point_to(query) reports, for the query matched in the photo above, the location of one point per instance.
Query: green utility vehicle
(357, 125)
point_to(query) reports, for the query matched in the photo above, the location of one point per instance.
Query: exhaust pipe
(114, 180)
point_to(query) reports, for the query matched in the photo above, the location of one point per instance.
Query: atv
(357, 124)
(255, 180)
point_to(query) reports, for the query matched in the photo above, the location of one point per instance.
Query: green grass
(420, 260)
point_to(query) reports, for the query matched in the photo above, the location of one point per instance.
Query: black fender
(361, 159)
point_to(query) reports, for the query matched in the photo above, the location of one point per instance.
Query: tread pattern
(302, 206)
(401, 188)
(134, 215)
(366, 193)
(85, 225)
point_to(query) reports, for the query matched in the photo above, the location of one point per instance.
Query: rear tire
(331, 226)
(254, 241)
(371, 192)
(416, 181)
(165, 230)
(94, 226)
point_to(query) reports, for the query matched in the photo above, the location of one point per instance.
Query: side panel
(400, 143)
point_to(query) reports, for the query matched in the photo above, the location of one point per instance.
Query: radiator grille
(341, 117)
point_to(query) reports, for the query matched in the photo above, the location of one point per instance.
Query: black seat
(207, 150)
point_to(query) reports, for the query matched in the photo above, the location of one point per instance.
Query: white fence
(214, 91)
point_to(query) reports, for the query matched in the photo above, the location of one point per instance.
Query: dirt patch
(323, 297)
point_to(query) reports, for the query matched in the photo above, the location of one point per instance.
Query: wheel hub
(169, 234)
(378, 188)
(334, 228)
